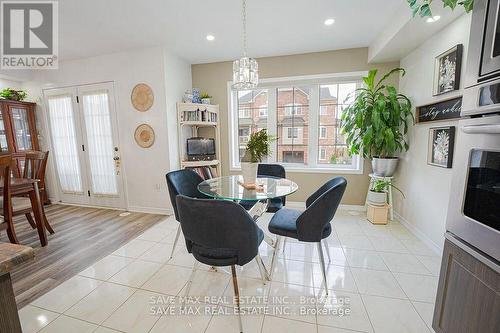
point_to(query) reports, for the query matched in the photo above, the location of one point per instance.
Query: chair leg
(11, 233)
(262, 269)
(46, 222)
(322, 262)
(175, 241)
(188, 285)
(273, 260)
(30, 220)
(327, 249)
(237, 296)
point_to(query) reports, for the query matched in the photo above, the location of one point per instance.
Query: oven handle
(481, 129)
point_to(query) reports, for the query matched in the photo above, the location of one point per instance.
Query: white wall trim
(302, 205)
(419, 234)
(357, 208)
(150, 210)
(86, 206)
(135, 209)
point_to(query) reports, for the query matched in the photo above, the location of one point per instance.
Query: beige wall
(213, 79)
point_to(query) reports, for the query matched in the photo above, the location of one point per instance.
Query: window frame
(322, 150)
(323, 107)
(320, 132)
(313, 82)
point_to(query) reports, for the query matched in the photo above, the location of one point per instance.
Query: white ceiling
(275, 27)
(405, 33)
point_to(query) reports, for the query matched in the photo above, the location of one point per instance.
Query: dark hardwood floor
(82, 236)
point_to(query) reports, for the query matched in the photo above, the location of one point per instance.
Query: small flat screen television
(200, 149)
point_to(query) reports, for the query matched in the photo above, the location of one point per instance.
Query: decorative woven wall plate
(144, 135)
(142, 97)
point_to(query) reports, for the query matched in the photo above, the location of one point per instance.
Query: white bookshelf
(198, 120)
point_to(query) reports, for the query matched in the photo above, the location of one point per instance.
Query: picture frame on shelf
(447, 69)
(441, 146)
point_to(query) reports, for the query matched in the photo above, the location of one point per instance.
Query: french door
(84, 138)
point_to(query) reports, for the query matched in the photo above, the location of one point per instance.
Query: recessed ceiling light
(329, 21)
(433, 19)
(210, 37)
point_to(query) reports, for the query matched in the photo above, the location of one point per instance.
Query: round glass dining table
(231, 188)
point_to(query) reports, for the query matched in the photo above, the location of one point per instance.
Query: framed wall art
(439, 111)
(447, 68)
(441, 145)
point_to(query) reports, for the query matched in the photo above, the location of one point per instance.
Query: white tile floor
(386, 277)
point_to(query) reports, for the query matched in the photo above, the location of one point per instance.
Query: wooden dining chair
(6, 222)
(35, 164)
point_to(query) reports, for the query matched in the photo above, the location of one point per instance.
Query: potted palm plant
(376, 123)
(256, 149)
(378, 192)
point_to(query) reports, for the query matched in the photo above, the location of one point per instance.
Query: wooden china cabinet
(18, 132)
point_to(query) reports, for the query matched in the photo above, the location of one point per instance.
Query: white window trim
(321, 108)
(322, 149)
(320, 132)
(272, 84)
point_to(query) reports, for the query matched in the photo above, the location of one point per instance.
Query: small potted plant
(256, 149)
(205, 98)
(378, 192)
(376, 123)
(12, 94)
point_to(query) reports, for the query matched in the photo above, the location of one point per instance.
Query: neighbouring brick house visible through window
(295, 109)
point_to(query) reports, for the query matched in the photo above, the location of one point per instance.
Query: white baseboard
(302, 205)
(86, 206)
(419, 234)
(295, 204)
(357, 208)
(135, 209)
(150, 210)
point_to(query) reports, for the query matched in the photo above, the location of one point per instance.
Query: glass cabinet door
(21, 128)
(3, 136)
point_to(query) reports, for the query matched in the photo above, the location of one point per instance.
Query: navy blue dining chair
(313, 224)
(220, 233)
(183, 182)
(269, 170)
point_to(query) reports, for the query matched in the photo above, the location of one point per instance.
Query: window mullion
(234, 128)
(272, 125)
(313, 126)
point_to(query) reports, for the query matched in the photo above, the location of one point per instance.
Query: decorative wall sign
(441, 144)
(144, 135)
(142, 97)
(443, 110)
(447, 70)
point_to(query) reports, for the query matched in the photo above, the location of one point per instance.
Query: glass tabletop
(230, 188)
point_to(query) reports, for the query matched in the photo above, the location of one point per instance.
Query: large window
(333, 99)
(252, 111)
(303, 114)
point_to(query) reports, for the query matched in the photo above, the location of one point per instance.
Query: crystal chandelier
(245, 69)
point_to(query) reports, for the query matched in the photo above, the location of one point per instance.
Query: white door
(82, 123)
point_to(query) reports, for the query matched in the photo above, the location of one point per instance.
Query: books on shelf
(205, 172)
(199, 115)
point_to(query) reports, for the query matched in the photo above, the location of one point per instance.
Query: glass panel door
(100, 149)
(21, 128)
(65, 143)
(85, 142)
